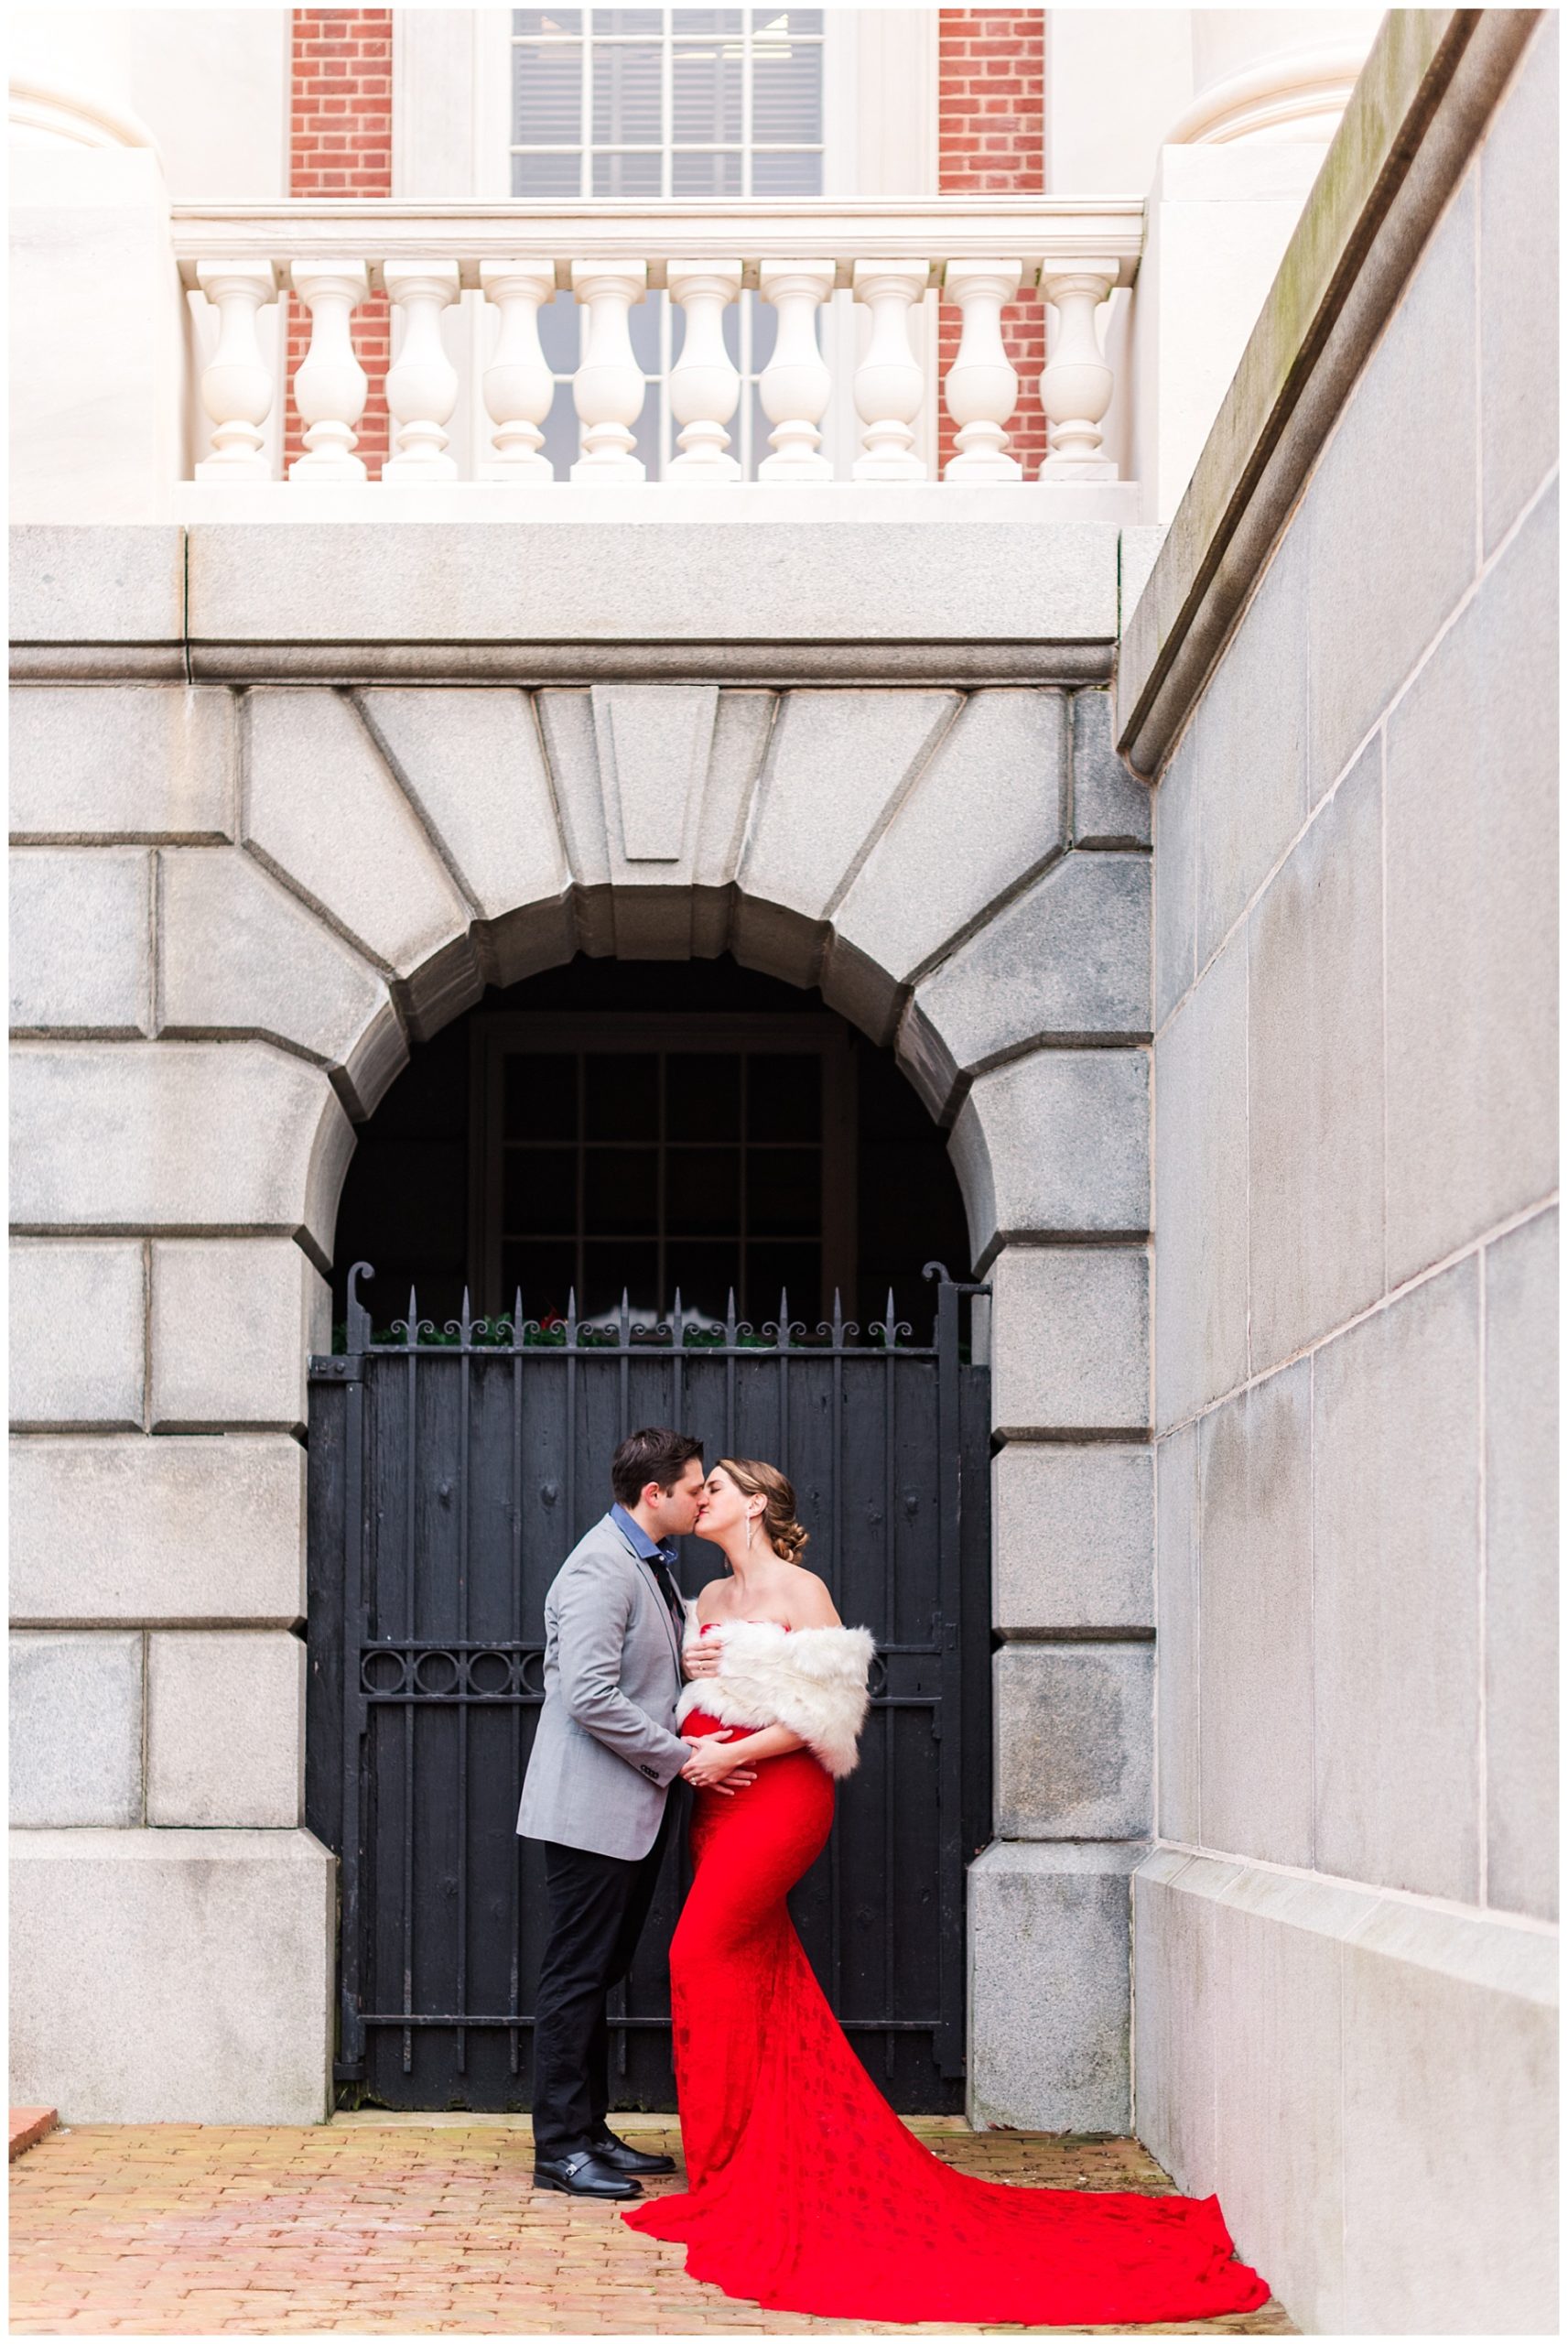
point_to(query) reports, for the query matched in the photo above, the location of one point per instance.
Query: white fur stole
(813, 1681)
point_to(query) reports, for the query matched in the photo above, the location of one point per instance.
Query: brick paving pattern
(414, 2229)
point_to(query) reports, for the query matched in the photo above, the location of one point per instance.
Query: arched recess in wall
(963, 875)
(660, 1129)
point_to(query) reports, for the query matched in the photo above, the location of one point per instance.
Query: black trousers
(598, 1906)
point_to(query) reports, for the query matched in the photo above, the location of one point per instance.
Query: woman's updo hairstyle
(779, 1526)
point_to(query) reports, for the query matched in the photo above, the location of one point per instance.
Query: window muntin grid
(704, 1155)
(641, 103)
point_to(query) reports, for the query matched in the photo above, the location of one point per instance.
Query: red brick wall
(992, 141)
(341, 144)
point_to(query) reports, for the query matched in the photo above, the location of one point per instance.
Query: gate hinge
(336, 1367)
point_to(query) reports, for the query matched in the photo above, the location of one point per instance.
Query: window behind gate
(712, 1158)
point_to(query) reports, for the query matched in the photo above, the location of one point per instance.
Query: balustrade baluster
(890, 381)
(705, 384)
(1075, 387)
(981, 388)
(519, 387)
(422, 382)
(329, 384)
(795, 384)
(608, 388)
(237, 382)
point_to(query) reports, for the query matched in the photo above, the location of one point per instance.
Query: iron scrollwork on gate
(451, 1470)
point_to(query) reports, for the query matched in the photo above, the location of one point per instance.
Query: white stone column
(330, 385)
(608, 388)
(705, 383)
(981, 388)
(237, 382)
(519, 387)
(890, 382)
(422, 382)
(797, 384)
(1272, 76)
(1075, 387)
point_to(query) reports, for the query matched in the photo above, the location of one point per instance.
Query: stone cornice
(1419, 108)
(510, 601)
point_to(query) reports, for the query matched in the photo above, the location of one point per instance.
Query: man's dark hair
(655, 1454)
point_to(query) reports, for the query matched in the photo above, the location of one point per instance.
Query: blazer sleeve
(593, 1612)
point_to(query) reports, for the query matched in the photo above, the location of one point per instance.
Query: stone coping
(1416, 112)
(1508, 1953)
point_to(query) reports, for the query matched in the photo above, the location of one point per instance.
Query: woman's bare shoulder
(714, 1600)
(810, 1604)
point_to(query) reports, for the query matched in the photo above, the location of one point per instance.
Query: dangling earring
(751, 1527)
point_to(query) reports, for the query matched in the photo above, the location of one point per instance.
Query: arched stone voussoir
(324, 812)
(174, 1138)
(472, 764)
(778, 940)
(1067, 962)
(986, 812)
(238, 954)
(1054, 1146)
(838, 765)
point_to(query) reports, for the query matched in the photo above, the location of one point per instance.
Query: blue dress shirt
(651, 1549)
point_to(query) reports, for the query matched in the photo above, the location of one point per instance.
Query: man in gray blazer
(597, 1793)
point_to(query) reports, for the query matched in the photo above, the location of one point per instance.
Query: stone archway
(964, 872)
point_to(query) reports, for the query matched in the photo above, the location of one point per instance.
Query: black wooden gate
(450, 1471)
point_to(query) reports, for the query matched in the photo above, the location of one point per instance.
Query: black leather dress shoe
(626, 2159)
(584, 2174)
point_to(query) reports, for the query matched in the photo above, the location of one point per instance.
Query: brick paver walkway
(389, 2227)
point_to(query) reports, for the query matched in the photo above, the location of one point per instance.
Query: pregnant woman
(806, 2192)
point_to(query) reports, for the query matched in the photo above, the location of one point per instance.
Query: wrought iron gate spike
(731, 1326)
(572, 1317)
(517, 1321)
(676, 1323)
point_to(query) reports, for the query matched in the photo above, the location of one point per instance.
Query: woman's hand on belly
(717, 1763)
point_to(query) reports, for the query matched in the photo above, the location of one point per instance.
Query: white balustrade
(890, 381)
(330, 385)
(876, 354)
(608, 387)
(237, 382)
(705, 382)
(981, 387)
(422, 384)
(1075, 387)
(518, 385)
(796, 383)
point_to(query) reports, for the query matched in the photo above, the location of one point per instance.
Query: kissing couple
(804, 2190)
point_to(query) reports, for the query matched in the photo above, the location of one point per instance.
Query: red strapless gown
(805, 2191)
